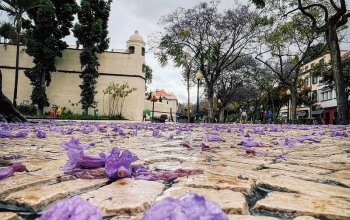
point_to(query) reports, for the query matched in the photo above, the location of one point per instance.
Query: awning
(318, 112)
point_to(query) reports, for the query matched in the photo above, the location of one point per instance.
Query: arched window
(131, 49)
(143, 51)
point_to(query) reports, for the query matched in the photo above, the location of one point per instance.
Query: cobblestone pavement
(303, 180)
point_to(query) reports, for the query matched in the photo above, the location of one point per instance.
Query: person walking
(59, 112)
(52, 113)
(270, 116)
(144, 114)
(244, 117)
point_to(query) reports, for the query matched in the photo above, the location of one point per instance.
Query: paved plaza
(252, 171)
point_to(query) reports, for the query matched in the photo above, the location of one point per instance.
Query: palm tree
(17, 9)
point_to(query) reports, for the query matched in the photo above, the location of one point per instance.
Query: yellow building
(116, 66)
(326, 100)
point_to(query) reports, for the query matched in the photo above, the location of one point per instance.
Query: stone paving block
(231, 202)
(250, 217)
(9, 216)
(289, 184)
(125, 197)
(37, 197)
(245, 186)
(21, 181)
(288, 205)
(305, 218)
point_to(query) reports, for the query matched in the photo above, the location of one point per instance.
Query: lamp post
(199, 76)
(153, 100)
(288, 93)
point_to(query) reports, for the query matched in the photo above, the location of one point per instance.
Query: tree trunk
(43, 88)
(293, 104)
(85, 111)
(334, 50)
(7, 110)
(222, 115)
(211, 105)
(17, 65)
(188, 96)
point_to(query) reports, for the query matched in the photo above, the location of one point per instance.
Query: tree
(230, 82)
(327, 18)
(213, 40)
(286, 44)
(148, 74)
(91, 32)
(116, 97)
(8, 32)
(324, 71)
(50, 26)
(17, 9)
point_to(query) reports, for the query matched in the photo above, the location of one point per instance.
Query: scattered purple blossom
(74, 208)
(190, 206)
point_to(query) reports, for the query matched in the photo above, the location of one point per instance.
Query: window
(314, 80)
(143, 51)
(306, 81)
(322, 61)
(306, 68)
(329, 94)
(314, 95)
(312, 65)
(131, 49)
(167, 102)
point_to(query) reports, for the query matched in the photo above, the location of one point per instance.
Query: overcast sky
(143, 15)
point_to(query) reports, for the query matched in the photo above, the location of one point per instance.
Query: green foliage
(315, 52)
(117, 94)
(91, 32)
(324, 71)
(148, 73)
(27, 110)
(8, 31)
(50, 25)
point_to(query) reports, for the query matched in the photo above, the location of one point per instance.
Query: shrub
(27, 110)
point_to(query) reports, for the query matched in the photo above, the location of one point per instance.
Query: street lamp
(199, 76)
(288, 93)
(153, 100)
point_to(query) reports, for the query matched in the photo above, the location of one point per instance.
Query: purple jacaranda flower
(40, 134)
(74, 208)
(21, 134)
(258, 130)
(156, 133)
(281, 156)
(118, 164)
(171, 137)
(247, 135)
(5, 134)
(190, 206)
(288, 142)
(339, 134)
(214, 137)
(67, 131)
(77, 158)
(250, 142)
(274, 129)
(308, 138)
(8, 171)
(318, 133)
(241, 128)
(121, 132)
(87, 130)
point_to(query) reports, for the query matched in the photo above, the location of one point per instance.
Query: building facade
(167, 104)
(325, 108)
(123, 66)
